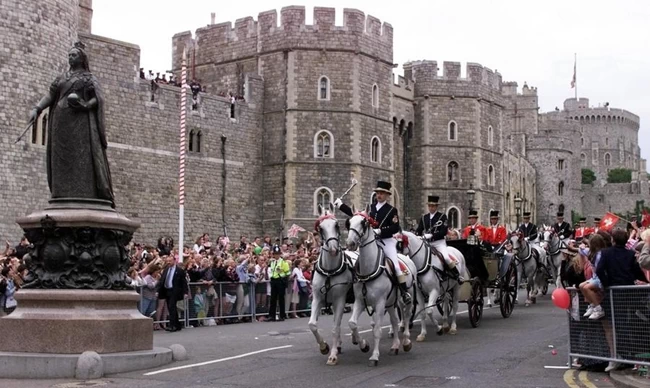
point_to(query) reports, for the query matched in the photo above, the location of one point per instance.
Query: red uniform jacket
(476, 226)
(494, 236)
(581, 233)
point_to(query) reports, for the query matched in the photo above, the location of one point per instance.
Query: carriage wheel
(475, 304)
(442, 303)
(508, 291)
(545, 288)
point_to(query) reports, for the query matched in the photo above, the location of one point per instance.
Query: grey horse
(530, 259)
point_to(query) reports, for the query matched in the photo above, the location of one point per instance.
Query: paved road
(500, 353)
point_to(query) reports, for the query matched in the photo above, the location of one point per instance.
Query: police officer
(433, 225)
(528, 229)
(279, 278)
(388, 219)
(562, 228)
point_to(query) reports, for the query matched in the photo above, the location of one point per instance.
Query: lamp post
(470, 196)
(518, 201)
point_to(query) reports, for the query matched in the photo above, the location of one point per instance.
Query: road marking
(216, 361)
(569, 380)
(582, 376)
(555, 367)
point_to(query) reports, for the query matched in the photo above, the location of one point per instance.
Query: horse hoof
(338, 349)
(355, 342)
(420, 338)
(394, 352)
(453, 331)
(325, 350)
(535, 301)
(440, 331)
(527, 304)
(445, 329)
(366, 348)
(373, 363)
(408, 347)
(332, 361)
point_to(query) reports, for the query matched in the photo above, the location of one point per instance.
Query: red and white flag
(294, 230)
(608, 222)
(573, 80)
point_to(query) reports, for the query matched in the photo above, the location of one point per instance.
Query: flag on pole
(294, 230)
(645, 219)
(608, 222)
(573, 80)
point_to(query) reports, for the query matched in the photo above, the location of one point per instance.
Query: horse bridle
(323, 241)
(364, 224)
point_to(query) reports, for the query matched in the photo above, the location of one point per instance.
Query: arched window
(323, 145)
(583, 160)
(375, 150)
(190, 144)
(452, 172)
(490, 136)
(452, 132)
(582, 141)
(324, 88)
(375, 96)
(560, 208)
(560, 189)
(490, 176)
(322, 196)
(453, 217)
(197, 147)
(606, 141)
(608, 159)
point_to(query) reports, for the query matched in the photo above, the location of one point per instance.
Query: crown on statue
(80, 45)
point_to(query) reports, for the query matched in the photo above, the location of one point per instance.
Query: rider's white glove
(525, 238)
(427, 236)
(338, 202)
(561, 237)
(377, 231)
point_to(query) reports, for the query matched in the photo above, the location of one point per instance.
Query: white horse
(331, 281)
(530, 260)
(374, 290)
(433, 282)
(553, 244)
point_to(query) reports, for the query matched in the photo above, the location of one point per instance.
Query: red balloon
(561, 298)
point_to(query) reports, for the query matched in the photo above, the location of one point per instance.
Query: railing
(223, 302)
(623, 335)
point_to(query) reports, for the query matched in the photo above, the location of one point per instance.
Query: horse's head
(327, 226)
(515, 240)
(359, 226)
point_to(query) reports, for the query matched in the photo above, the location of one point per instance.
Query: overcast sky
(524, 40)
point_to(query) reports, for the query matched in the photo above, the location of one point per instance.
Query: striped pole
(181, 173)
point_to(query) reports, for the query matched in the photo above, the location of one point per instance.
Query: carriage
(484, 273)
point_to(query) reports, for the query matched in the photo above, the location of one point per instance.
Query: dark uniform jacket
(437, 226)
(179, 284)
(530, 231)
(386, 217)
(563, 229)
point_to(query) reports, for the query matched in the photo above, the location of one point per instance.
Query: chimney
(212, 17)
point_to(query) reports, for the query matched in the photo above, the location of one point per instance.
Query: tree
(619, 175)
(588, 176)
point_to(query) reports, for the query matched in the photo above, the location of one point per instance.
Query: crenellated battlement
(403, 88)
(479, 80)
(510, 89)
(604, 115)
(224, 42)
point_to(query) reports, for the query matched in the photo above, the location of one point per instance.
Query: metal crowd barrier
(220, 302)
(623, 335)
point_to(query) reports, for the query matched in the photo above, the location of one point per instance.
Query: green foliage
(619, 175)
(575, 217)
(588, 176)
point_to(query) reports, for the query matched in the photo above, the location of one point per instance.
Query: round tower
(36, 38)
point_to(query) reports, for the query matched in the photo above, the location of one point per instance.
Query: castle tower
(85, 16)
(36, 38)
(609, 137)
(458, 132)
(326, 102)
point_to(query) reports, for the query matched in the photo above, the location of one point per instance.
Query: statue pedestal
(75, 321)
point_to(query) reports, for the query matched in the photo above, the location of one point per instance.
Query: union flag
(608, 222)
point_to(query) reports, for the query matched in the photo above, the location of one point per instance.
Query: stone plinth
(75, 321)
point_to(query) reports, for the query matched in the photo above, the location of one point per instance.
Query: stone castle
(320, 106)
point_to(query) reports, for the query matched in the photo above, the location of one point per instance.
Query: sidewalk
(629, 378)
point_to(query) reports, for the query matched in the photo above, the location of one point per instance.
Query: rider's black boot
(406, 297)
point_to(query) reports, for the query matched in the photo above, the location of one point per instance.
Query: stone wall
(35, 38)
(614, 197)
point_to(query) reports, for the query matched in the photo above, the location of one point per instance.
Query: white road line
(216, 361)
(555, 367)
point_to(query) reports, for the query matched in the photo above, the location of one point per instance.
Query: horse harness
(428, 266)
(344, 266)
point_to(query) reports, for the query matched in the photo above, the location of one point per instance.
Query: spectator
(618, 266)
(8, 290)
(263, 287)
(592, 289)
(574, 269)
(148, 301)
(173, 288)
(644, 256)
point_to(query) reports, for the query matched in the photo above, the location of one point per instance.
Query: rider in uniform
(433, 226)
(527, 229)
(495, 234)
(474, 228)
(596, 224)
(562, 228)
(388, 220)
(583, 231)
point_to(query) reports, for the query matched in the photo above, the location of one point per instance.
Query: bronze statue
(77, 166)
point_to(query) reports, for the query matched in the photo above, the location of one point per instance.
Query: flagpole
(181, 172)
(575, 73)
